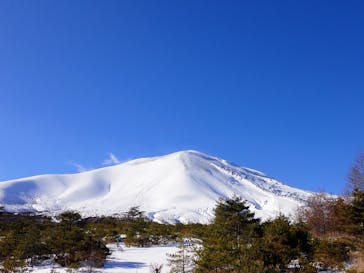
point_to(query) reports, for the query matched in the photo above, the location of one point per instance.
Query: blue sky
(273, 85)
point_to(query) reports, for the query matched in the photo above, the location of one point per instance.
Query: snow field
(125, 260)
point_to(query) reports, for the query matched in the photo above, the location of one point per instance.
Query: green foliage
(228, 248)
(136, 232)
(26, 240)
(282, 242)
(237, 242)
(72, 244)
(21, 241)
(330, 253)
(338, 224)
(234, 242)
(160, 234)
(305, 266)
(13, 264)
(356, 213)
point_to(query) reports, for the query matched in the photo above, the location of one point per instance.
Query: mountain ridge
(179, 187)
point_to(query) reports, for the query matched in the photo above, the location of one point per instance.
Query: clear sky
(276, 86)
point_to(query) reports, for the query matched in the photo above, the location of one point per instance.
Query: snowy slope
(182, 186)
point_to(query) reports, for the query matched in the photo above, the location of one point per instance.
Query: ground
(127, 259)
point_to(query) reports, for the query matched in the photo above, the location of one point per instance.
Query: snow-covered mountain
(183, 186)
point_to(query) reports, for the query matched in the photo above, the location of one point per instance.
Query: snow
(129, 260)
(126, 260)
(179, 187)
(133, 258)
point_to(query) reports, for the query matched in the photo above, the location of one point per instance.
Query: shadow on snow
(117, 264)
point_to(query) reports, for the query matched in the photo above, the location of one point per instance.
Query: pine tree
(228, 248)
(356, 213)
(72, 243)
(281, 243)
(276, 248)
(137, 228)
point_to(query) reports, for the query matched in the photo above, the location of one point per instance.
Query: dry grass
(357, 265)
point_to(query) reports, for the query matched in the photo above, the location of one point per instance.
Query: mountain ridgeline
(179, 187)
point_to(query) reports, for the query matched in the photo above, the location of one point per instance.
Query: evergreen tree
(228, 248)
(137, 225)
(331, 253)
(275, 246)
(72, 244)
(356, 213)
(281, 243)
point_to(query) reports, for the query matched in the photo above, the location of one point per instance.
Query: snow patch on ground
(126, 259)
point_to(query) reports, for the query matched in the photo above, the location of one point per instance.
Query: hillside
(179, 187)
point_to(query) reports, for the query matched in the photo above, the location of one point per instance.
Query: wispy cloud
(78, 167)
(111, 160)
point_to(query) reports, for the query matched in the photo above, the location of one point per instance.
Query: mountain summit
(178, 187)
